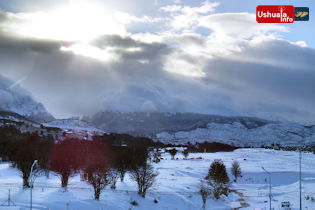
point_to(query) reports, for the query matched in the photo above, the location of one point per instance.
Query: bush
(218, 179)
(205, 192)
(217, 172)
(67, 159)
(134, 203)
(23, 154)
(145, 176)
(218, 188)
(96, 170)
(113, 177)
(210, 147)
(185, 153)
(173, 152)
(157, 155)
(236, 170)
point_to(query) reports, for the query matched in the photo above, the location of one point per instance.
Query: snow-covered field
(177, 184)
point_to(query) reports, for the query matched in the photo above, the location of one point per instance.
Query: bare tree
(205, 192)
(218, 188)
(65, 161)
(97, 176)
(25, 151)
(185, 153)
(122, 169)
(173, 152)
(236, 170)
(113, 177)
(145, 176)
(120, 160)
(96, 170)
(157, 155)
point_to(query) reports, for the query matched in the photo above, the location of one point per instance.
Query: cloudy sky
(78, 57)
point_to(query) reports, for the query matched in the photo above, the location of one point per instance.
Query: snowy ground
(177, 184)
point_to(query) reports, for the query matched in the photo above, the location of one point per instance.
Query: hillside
(283, 133)
(18, 100)
(181, 128)
(150, 124)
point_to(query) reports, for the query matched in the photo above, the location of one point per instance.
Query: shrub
(185, 153)
(236, 170)
(205, 192)
(173, 152)
(145, 176)
(134, 203)
(96, 170)
(218, 179)
(66, 159)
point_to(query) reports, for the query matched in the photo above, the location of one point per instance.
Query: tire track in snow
(242, 200)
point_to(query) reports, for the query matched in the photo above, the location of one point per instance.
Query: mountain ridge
(138, 123)
(16, 99)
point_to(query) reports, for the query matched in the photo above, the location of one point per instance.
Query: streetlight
(269, 185)
(32, 179)
(300, 175)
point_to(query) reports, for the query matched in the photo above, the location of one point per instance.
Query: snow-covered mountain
(150, 124)
(74, 128)
(180, 128)
(70, 124)
(16, 104)
(18, 100)
(283, 133)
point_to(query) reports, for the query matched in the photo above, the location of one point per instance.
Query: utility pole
(32, 179)
(300, 179)
(269, 186)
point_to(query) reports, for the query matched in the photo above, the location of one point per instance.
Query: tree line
(103, 161)
(100, 162)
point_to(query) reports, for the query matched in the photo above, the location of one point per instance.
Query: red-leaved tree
(97, 164)
(67, 158)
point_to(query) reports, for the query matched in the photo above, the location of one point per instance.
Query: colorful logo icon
(275, 14)
(281, 14)
(302, 14)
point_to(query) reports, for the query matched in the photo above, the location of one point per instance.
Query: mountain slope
(282, 133)
(149, 124)
(181, 128)
(18, 100)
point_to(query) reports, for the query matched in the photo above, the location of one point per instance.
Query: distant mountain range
(181, 128)
(17, 105)
(150, 124)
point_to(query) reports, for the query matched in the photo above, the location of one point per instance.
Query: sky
(78, 57)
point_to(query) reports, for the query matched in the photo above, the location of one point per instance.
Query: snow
(75, 128)
(284, 133)
(20, 101)
(177, 184)
(69, 124)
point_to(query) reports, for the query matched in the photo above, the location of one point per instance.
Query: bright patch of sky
(299, 31)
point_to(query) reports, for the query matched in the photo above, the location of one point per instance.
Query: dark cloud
(272, 78)
(268, 78)
(124, 46)
(30, 5)
(114, 40)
